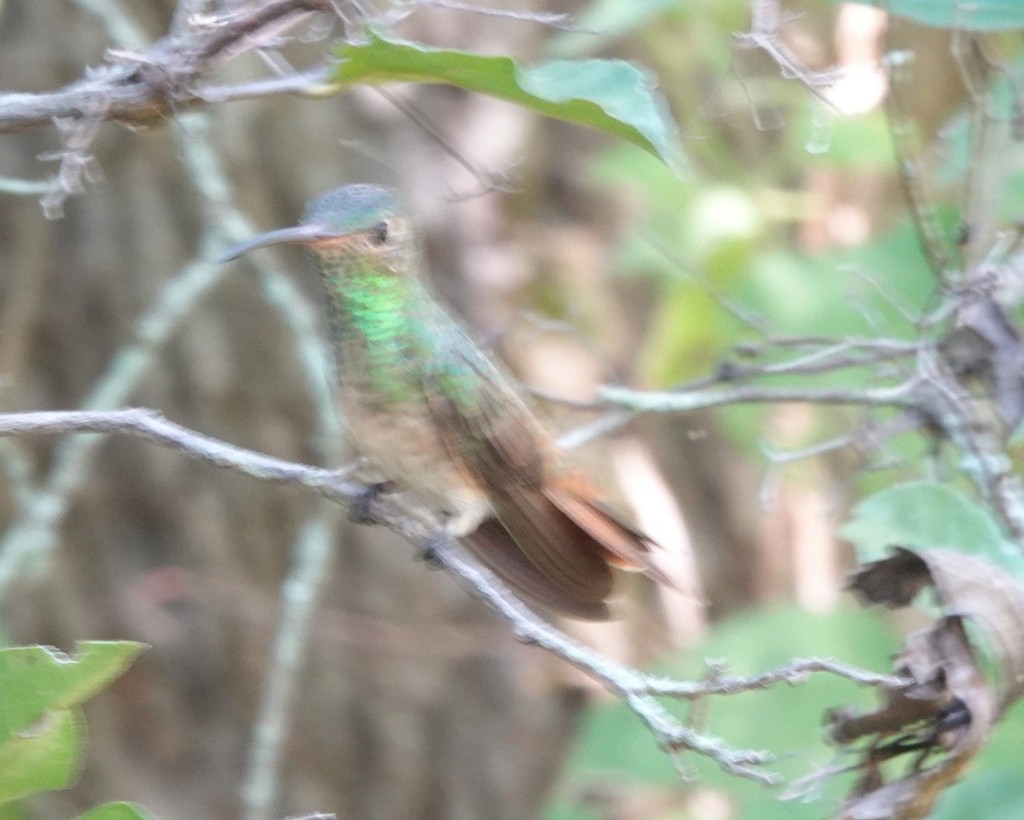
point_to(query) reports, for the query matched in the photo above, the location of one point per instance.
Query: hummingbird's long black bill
(298, 235)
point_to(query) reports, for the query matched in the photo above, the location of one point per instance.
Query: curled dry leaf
(944, 712)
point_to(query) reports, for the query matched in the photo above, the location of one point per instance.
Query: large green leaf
(611, 95)
(977, 15)
(41, 728)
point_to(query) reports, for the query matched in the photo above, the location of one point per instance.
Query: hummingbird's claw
(431, 547)
(361, 510)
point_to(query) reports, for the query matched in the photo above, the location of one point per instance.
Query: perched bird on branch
(436, 416)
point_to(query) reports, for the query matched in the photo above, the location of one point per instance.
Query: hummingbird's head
(357, 220)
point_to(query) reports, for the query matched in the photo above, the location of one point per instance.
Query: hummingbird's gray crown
(352, 208)
(337, 213)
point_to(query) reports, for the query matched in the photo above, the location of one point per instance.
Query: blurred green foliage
(723, 247)
(615, 750)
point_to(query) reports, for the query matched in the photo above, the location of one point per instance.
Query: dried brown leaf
(894, 581)
(993, 601)
(945, 710)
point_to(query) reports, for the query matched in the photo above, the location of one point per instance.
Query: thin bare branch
(311, 562)
(291, 84)
(27, 187)
(866, 440)
(766, 22)
(143, 88)
(983, 456)
(934, 243)
(488, 182)
(902, 395)
(554, 20)
(794, 673)
(152, 426)
(635, 688)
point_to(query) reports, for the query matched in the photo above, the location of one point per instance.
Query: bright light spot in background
(722, 214)
(658, 514)
(862, 84)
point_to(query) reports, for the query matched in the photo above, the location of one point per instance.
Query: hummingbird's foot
(431, 546)
(361, 509)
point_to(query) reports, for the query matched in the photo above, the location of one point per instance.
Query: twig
(794, 673)
(766, 20)
(152, 426)
(982, 182)
(865, 440)
(707, 392)
(489, 183)
(836, 357)
(982, 455)
(27, 187)
(77, 164)
(605, 425)
(292, 84)
(902, 395)
(300, 594)
(550, 19)
(734, 309)
(934, 243)
(146, 87)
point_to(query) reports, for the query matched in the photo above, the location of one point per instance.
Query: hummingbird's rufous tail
(557, 549)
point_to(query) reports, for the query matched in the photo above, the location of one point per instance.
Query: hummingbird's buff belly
(402, 443)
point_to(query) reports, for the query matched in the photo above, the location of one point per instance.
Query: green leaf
(927, 515)
(978, 15)
(117, 811)
(45, 758)
(37, 679)
(14, 811)
(41, 728)
(611, 95)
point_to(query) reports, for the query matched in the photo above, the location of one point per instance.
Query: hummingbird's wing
(495, 548)
(626, 547)
(501, 451)
(560, 544)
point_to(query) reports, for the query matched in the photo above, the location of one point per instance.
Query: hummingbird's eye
(379, 233)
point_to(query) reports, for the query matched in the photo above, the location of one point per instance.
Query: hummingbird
(438, 417)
